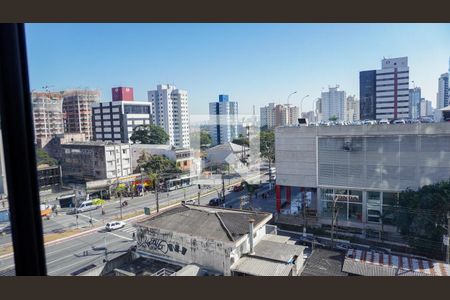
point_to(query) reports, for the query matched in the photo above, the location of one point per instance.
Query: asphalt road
(65, 257)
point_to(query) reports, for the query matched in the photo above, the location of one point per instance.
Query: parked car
(189, 202)
(114, 225)
(399, 121)
(384, 121)
(342, 246)
(214, 202)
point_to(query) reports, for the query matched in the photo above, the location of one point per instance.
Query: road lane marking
(125, 238)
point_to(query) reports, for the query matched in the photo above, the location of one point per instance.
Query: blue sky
(254, 63)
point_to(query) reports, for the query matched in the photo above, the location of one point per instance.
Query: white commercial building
(426, 109)
(333, 104)
(223, 118)
(362, 169)
(170, 106)
(95, 160)
(115, 121)
(392, 89)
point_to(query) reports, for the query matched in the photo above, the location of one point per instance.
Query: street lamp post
(301, 103)
(142, 181)
(287, 101)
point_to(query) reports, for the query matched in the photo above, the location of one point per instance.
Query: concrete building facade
(352, 112)
(171, 112)
(267, 115)
(363, 168)
(77, 108)
(392, 89)
(333, 104)
(223, 118)
(115, 121)
(220, 241)
(47, 114)
(95, 160)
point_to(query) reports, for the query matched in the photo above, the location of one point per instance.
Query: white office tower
(392, 89)
(170, 106)
(443, 91)
(223, 116)
(426, 110)
(267, 115)
(333, 104)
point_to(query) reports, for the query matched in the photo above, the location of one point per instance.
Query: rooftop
(93, 143)
(371, 263)
(228, 146)
(227, 225)
(368, 130)
(323, 262)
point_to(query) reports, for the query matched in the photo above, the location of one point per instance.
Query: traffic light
(199, 187)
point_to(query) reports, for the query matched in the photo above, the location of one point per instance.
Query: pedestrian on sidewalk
(90, 222)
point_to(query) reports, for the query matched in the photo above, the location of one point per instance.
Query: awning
(260, 267)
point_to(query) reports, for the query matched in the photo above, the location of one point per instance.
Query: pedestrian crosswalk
(128, 229)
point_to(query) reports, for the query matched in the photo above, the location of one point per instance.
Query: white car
(384, 121)
(114, 225)
(190, 202)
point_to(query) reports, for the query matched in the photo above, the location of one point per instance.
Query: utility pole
(157, 194)
(305, 221)
(223, 188)
(198, 194)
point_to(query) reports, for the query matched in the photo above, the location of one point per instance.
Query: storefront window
(349, 203)
(355, 212)
(327, 207)
(373, 207)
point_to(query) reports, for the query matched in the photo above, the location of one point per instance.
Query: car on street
(189, 202)
(238, 188)
(114, 225)
(342, 246)
(214, 202)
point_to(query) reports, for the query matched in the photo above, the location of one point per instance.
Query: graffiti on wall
(161, 245)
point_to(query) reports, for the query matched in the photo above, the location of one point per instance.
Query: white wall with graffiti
(185, 249)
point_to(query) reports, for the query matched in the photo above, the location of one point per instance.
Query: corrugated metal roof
(261, 267)
(371, 263)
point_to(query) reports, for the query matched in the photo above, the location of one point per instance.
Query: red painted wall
(278, 197)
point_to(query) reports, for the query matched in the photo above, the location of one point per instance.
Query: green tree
(333, 118)
(422, 215)
(242, 141)
(158, 164)
(43, 158)
(205, 138)
(149, 134)
(267, 145)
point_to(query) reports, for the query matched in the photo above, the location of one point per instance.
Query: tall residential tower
(170, 106)
(223, 120)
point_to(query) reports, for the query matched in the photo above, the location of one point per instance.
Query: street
(66, 256)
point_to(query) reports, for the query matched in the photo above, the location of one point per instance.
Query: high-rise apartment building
(170, 106)
(115, 121)
(425, 108)
(352, 112)
(392, 89)
(292, 114)
(47, 114)
(443, 91)
(367, 95)
(333, 104)
(121, 93)
(414, 102)
(77, 108)
(267, 116)
(223, 120)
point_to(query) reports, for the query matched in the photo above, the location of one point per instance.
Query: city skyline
(256, 63)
